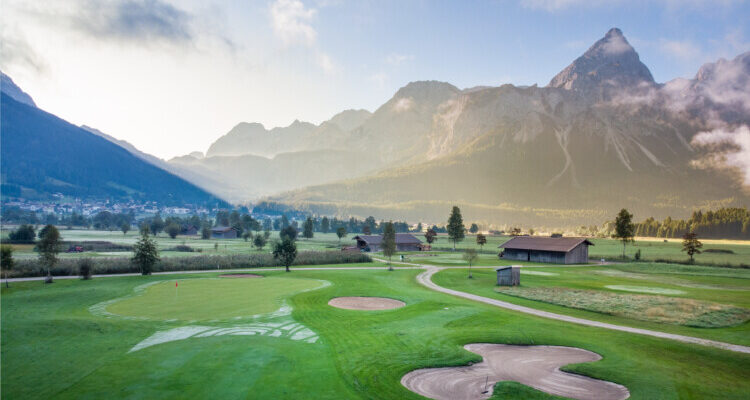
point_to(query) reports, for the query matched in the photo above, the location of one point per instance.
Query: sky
(171, 77)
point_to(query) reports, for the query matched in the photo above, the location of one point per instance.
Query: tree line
(724, 223)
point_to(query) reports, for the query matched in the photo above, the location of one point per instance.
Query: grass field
(651, 249)
(724, 286)
(57, 342)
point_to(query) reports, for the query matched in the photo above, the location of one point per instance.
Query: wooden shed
(560, 250)
(509, 276)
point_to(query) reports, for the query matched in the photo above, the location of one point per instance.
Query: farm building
(560, 250)
(509, 276)
(189, 230)
(223, 232)
(404, 242)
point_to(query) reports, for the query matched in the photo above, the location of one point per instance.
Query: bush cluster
(122, 265)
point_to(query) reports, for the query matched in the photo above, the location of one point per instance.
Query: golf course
(266, 333)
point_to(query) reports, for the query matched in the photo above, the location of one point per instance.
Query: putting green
(210, 299)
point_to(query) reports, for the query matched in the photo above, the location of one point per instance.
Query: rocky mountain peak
(10, 88)
(610, 63)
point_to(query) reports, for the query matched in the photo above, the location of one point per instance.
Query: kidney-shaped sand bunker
(535, 366)
(365, 303)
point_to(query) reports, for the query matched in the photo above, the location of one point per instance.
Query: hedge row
(122, 265)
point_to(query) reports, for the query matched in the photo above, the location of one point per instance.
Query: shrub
(182, 248)
(85, 267)
(122, 265)
(638, 255)
(720, 251)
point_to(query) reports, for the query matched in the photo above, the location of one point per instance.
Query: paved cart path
(425, 278)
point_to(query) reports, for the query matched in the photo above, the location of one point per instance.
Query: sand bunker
(365, 303)
(240, 276)
(535, 366)
(540, 273)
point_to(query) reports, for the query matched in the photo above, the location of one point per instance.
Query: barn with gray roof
(560, 250)
(404, 242)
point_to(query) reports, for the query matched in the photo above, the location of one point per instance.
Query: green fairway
(550, 289)
(210, 299)
(54, 346)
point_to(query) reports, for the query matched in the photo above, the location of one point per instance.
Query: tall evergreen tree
(146, 254)
(307, 228)
(455, 227)
(325, 225)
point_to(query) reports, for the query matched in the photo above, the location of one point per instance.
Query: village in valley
(587, 238)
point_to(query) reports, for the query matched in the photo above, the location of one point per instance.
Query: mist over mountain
(42, 155)
(601, 136)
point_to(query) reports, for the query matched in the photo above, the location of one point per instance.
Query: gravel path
(425, 278)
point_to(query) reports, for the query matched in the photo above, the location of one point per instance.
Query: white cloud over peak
(291, 22)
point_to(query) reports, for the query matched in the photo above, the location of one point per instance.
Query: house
(404, 242)
(189, 230)
(560, 250)
(223, 232)
(509, 276)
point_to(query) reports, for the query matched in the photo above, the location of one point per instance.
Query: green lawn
(710, 284)
(54, 346)
(651, 249)
(210, 299)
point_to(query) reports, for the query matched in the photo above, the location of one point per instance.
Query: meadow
(74, 338)
(735, 252)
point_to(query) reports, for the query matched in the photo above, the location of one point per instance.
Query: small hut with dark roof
(404, 242)
(560, 250)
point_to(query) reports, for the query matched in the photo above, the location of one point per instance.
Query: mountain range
(44, 155)
(602, 135)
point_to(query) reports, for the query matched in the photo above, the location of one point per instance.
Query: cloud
(133, 20)
(684, 50)
(616, 45)
(398, 59)
(380, 80)
(558, 5)
(16, 52)
(291, 22)
(727, 148)
(326, 64)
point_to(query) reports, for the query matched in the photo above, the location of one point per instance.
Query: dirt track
(365, 303)
(535, 366)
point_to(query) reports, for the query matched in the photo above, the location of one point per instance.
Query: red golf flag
(175, 284)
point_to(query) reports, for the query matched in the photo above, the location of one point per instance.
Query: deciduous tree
(624, 228)
(691, 245)
(6, 260)
(388, 244)
(341, 233)
(430, 235)
(470, 256)
(49, 247)
(285, 252)
(481, 240)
